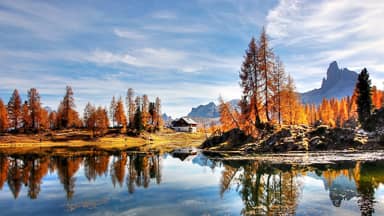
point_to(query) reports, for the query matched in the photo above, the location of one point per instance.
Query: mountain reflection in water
(263, 188)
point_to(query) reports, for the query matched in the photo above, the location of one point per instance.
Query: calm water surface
(128, 183)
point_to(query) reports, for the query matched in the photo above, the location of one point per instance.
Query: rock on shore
(297, 138)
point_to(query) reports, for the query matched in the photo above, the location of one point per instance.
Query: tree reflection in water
(264, 189)
(274, 189)
(29, 170)
(371, 175)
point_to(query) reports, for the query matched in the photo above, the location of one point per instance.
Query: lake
(95, 182)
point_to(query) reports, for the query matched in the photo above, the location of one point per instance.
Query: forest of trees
(269, 97)
(30, 117)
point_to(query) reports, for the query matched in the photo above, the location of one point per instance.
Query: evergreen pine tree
(138, 122)
(364, 98)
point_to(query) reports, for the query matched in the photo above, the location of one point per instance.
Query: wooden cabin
(185, 124)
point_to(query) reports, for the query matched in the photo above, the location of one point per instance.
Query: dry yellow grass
(166, 140)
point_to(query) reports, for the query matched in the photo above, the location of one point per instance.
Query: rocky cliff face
(339, 83)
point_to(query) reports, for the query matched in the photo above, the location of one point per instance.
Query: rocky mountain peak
(338, 83)
(333, 75)
(333, 67)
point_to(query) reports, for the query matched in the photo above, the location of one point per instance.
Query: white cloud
(346, 31)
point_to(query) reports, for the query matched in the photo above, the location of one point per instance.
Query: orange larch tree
(14, 109)
(3, 117)
(26, 117)
(44, 122)
(121, 119)
(52, 118)
(352, 106)
(250, 81)
(228, 116)
(326, 113)
(290, 103)
(343, 112)
(265, 64)
(34, 106)
(67, 115)
(278, 81)
(95, 119)
(89, 118)
(377, 97)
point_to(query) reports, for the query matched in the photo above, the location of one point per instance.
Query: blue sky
(185, 52)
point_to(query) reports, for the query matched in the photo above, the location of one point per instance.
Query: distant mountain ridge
(210, 110)
(338, 83)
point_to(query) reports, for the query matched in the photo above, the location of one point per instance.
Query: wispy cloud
(345, 31)
(129, 34)
(163, 58)
(44, 20)
(179, 29)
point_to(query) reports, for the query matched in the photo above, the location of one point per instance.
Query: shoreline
(164, 141)
(299, 157)
(295, 138)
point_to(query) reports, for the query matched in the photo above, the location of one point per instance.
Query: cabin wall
(185, 129)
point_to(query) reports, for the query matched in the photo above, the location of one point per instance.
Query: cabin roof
(189, 120)
(186, 120)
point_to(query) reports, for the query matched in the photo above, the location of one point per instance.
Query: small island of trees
(270, 102)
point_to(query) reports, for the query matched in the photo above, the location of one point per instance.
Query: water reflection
(275, 189)
(26, 170)
(263, 188)
(29, 170)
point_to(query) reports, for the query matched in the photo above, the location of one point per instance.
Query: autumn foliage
(31, 116)
(3, 117)
(269, 97)
(96, 119)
